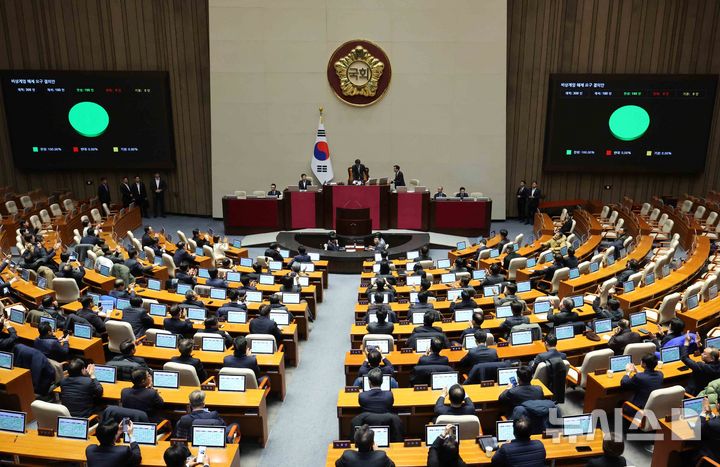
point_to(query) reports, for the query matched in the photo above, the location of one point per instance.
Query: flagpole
(321, 114)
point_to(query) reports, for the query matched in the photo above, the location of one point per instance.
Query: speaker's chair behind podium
(353, 222)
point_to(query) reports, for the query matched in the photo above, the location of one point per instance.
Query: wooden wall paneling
(142, 35)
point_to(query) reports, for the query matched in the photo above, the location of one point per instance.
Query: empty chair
(66, 290)
(709, 281)
(106, 210)
(475, 194)
(593, 361)
(665, 231)
(47, 413)
(469, 424)
(390, 340)
(686, 206)
(654, 214)
(699, 212)
(259, 193)
(426, 264)
(188, 374)
(35, 222)
(515, 264)
(45, 217)
(169, 263)
(645, 209)
(262, 260)
(639, 350)
(714, 234)
(26, 202)
(611, 220)
(208, 251)
(95, 214)
(130, 235)
(240, 194)
(660, 404)
(253, 337)
(55, 210)
(666, 309)
(519, 239)
(614, 233)
(584, 267)
(149, 253)
(118, 332)
(484, 254)
(692, 290)
(69, 205)
(604, 212)
(554, 284)
(636, 278)
(192, 243)
(136, 244)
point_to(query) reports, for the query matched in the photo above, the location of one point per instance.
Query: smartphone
(513, 381)
(124, 424)
(583, 448)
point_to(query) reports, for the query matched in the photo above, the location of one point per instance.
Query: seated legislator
(304, 182)
(119, 290)
(479, 354)
(523, 392)
(191, 300)
(495, 277)
(273, 193)
(613, 447)
(53, 348)
(611, 310)
(704, 371)
(185, 275)
(366, 455)
(137, 317)
(432, 354)
(476, 323)
(199, 415)
(241, 357)
(565, 315)
(213, 327)
(199, 239)
(521, 451)
(262, 324)
(332, 244)
(301, 257)
(185, 347)
(556, 243)
(142, 396)
(504, 240)
(466, 301)
(439, 193)
(150, 239)
(445, 451)
(176, 323)
(710, 431)
(399, 178)
(550, 352)
(510, 293)
(622, 337)
(641, 383)
(422, 301)
(376, 400)
(459, 403)
(381, 326)
(462, 193)
(215, 280)
(517, 318)
(236, 303)
(80, 391)
(273, 252)
(127, 362)
(427, 330)
(571, 261)
(182, 255)
(87, 313)
(107, 453)
(633, 267)
(374, 358)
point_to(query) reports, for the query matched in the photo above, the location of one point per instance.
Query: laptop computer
(208, 436)
(166, 341)
(72, 428)
(166, 379)
(231, 383)
(12, 421)
(106, 374)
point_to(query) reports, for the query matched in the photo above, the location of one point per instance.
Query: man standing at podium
(358, 173)
(399, 179)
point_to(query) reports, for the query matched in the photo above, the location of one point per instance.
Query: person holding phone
(521, 390)
(107, 453)
(445, 450)
(522, 450)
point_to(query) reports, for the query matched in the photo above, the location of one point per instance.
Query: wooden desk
(30, 448)
(703, 318)
(90, 348)
(471, 251)
(98, 281)
(416, 408)
(561, 453)
(603, 391)
(17, 390)
(405, 362)
(676, 437)
(27, 291)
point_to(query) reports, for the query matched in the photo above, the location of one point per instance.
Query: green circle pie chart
(89, 119)
(629, 122)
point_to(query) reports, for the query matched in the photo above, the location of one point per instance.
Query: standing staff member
(399, 179)
(522, 197)
(533, 202)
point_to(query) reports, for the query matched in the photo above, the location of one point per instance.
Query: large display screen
(629, 123)
(88, 120)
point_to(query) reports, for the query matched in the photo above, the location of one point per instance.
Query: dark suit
(571, 262)
(152, 242)
(140, 197)
(178, 326)
(467, 408)
(509, 257)
(185, 278)
(92, 318)
(520, 453)
(274, 254)
(158, 189)
(642, 384)
(702, 373)
(606, 461)
(274, 193)
(102, 456)
(358, 172)
(104, 194)
(534, 195)
(433, 359)
(183, 429)
(439, 195)
(139, 319)
(264, 325)
(710, 437)
(493, 279)
(563, 317)
(618, 342)
(511, 321)
(513, 397)
(545, 356)
(304, 184)
(246, 361)
(79, 394)
(522, 196)
(376, 401)
(230, 306)
(386, 368)
(364, 459)
(399, 179)
(479, 354)
(126, 193)
(146, 399)
(380, 328)
(183, 256)
(423, 332)
(194, 362)
(52, 348)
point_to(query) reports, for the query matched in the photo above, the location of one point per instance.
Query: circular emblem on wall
(359, 73)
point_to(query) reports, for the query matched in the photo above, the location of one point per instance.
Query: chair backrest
(613, 217)
(262, 260)
(700, 212)
(662, 401)
(469, 424)
(543, 256)
(639, 350)
(47, 413)
(250, 379)
(519, 238)
(182, 236)
(509, 246)
(462, 275)
(96, 216)
(645, 209)
(208, 251)
(26, 201)
(149, 253)
(426, 264)
(118, 332)
(151, 334)
(559, 275)
(59, 371)
(241, 194)
(11, 207)
(485, 254)
(711, 218)
(55, 210)
(106, 209)
(45, 216)
(188, 374)
(636, 278)
(689, 292)
(594, 360)
(136, 244)
(202, 290)
(654, 214)
(605, 290)
(251, 337)
(584, 267)
(380, 337)
(35, 221)
(663, 218)
(541, 372)
(129, 234)
(475, 194)
(66, 290)
(604, 212)
(667, 226)
(686, 206)
(169, 263)
(534, 328)
(515, 264)
(709, 281)
(68, 204)
(259, 193)
(618, 225)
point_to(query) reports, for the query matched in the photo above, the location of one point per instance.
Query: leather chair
(469, 424)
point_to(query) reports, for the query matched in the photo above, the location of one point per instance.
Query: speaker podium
(353, 222)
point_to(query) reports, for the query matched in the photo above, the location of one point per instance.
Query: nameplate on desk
(503, 344)
(456, 347)
(487, 383)
(551, 433)
(178, 441)
(342, 444)
(363, 302)
(355, 352)
(488, 317)
(447, 320)
(406, 350)
(207, 387)
(45, 432)
(412, 443)
(196, 347)
(359, 323)
(404, 323)
(420, 387)
(352, 388)
(601, 371)
(402, 301)
(147, 343)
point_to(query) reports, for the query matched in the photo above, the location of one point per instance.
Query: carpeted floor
(302, 426)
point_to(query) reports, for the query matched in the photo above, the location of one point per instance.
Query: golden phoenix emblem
(359, 72)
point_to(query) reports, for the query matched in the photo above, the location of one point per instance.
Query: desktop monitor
(670, 354)
(574, 273)
(17, 316)
(275, 265)
(421, 345)
(469, 341)
(412, 255)
(83, 331)
(262, 346)
(564, 332)
(166, 341)
(594, 267)
(254, 296)
(104, 270)
(504, 430)
(233, 276)
(462, 316)
(380, 344)
(213, 344)
(208, 436)
(246, 262)
(618, 363)
(231, 383)
(413, 280)
(293, 298)
(72, 428)
(282, 318)
(521, 337)
(448, 278)
(443, 263)
(158, 309)
(122, 303)
(504, 375)
(638, 319)
(692, 408)
(12, 421)
(628, 286)
(166, 379)
(204, 273)
(504, 311)
(143, 433)
(267, 279)
(649, 278)
(154, 284)
(106, 374)
(602, 325)
(491, 290)
(433, 431)
(531, 262)
(237, 317)
(692, 301)
(182, 289)
(444, 379)
(541, 307)
(523, 286)
(218, 294)
(577, 425)
(479, 274)
(384, 386)
(577, 301)
(461, 245)
(6, 360)
(196, 314)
